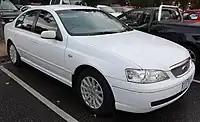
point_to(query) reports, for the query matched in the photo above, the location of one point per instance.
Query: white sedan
(110, 65)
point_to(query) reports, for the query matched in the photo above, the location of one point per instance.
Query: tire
(107, 106)
(194, 54)
(13, 55)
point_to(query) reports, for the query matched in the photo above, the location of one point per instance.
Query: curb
(3, 59)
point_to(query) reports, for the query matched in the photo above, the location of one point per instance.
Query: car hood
(145, 50)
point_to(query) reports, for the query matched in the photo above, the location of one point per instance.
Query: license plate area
(186, 83)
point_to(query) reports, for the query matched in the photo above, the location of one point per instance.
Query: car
(192, 15)
(167, 22)
(122, 9)
(8, 11)
(109, 10)
(54, 2)
(108, 64)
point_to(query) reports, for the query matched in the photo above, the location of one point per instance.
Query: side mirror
(48, 34)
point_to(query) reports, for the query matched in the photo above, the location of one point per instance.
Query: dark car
(8, 12)
(166, 22)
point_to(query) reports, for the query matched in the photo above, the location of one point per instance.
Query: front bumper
(142, 98)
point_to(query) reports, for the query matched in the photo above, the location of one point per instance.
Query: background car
(166, 22)
(192, 15)
(8, 12)
(122, 9)
(109, 10)
(110, 65)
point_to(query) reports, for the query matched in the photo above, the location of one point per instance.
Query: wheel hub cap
(13, 54)
(92, 92)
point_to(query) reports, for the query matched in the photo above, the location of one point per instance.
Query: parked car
(109, 10)
(55, 2)
(166, 21)
(109, 65)
(192, 15)
(8, 12)
(122, 9)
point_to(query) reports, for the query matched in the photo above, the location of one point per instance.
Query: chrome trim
(179, 64)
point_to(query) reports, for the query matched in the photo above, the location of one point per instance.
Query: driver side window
(46, 22)
(132, 18)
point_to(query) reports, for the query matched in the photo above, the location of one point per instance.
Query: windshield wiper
(102, 33)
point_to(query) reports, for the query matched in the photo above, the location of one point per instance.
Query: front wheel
(13, 55)
(95, 92)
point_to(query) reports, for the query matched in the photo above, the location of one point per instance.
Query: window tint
(146, 17)
(45, 22)
(54, 2)
(26, 20)
(168, 14)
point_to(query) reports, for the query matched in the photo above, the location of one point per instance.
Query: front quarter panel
(110, 65)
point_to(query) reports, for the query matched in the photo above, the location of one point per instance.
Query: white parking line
(197, 81)
(49, 104)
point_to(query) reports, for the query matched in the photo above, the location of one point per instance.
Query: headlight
(145, 76)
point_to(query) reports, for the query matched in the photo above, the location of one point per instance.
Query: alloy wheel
(92, 92)
(13, 54)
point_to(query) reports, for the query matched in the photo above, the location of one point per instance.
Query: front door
(50, 52)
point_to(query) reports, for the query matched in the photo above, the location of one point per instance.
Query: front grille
(181, 69)
(160, 102)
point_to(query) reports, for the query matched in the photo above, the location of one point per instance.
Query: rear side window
(26, 20)
(168, 14)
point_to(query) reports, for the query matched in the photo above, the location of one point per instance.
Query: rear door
(24, 34)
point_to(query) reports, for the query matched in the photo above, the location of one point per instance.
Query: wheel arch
(83, 67)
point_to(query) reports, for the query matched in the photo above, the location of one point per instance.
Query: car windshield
(90, 22)
(7, 5)
(107, 9)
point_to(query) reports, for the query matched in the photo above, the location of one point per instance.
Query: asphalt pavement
(16, 104)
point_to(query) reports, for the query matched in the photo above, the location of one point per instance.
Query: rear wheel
(95, 92)
(13, 55)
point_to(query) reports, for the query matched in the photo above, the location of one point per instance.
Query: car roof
(61, 7)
